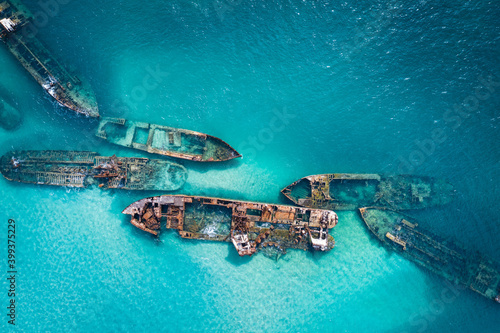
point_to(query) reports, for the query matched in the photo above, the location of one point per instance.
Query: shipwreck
(16, 23)
(250, 226)
(445, 258)
(163, 140)
(349, 191)
(10, 118)
(84, 168)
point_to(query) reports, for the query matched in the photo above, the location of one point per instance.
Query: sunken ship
(348, 191)
(84, 168)
(17, 32)
(402, 234)
(10, 118)
(250, 226)
(163, 140)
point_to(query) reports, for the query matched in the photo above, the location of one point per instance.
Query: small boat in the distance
(163, 140)
(445, 258)
(349, 191)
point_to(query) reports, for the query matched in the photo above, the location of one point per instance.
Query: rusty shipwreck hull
(164, 140)
(250, 226)
(68, 90)
(348, 191)
(402, 234)
(83, 168)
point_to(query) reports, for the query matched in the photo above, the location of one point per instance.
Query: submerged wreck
(16, 31)
(10, 118)
(250, 226)
(163, 140)
(444, 258)
(349, 191)
(84, 168)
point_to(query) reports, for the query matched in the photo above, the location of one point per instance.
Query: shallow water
(298, 88)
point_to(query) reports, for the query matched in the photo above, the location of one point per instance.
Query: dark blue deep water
(299, 88)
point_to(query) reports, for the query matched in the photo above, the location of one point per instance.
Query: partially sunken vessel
(250, 226)
(17, 32)
(349, 191)
(10, 118)
(84, 168)
(402, 234)
(163, 140)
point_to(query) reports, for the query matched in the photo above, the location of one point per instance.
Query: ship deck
(443, 257)
(226, 220)
(69, 90)
(80, 169)
(164, 140)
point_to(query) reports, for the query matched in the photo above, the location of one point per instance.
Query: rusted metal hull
(347, 191)
(69, 90)
(81, 169)
(402, 234)
(250, 226)
(163, 140)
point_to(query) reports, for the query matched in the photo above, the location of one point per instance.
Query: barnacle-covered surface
(250, 226)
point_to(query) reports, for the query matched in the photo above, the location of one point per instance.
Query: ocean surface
(299, 88)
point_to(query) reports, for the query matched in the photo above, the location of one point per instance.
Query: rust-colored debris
(16, 31)
(445, 258)
(83, 168)
(250, 226)
(348, 191)
(163, 140)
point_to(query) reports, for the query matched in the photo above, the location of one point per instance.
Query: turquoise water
(299, 88)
